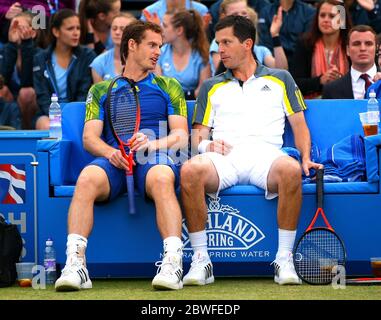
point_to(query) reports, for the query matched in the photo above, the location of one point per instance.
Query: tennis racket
(123, 114)
(319, 249)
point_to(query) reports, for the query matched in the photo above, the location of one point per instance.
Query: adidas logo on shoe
(74, 277)
(285, 271)
(200, 273)
(169, 274)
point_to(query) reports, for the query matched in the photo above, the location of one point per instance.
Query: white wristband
(203, 145)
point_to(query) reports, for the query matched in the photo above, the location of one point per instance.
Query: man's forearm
(177, 139)
(303, 144)
(97, 147)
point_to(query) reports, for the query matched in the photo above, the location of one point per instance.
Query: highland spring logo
(229, 233)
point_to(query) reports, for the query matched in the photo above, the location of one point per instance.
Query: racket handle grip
(131, 193)
(320, 187)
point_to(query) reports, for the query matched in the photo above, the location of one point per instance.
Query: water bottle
(50, 262)
(55, 127)
(373, 108)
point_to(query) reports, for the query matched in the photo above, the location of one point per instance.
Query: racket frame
(121, 144)
(311, 228)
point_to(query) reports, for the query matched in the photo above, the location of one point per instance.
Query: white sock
(286, 241)
(199, 242)
(173, 245)
(75, 248)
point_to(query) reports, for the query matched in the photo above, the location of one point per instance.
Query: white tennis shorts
(245, 165)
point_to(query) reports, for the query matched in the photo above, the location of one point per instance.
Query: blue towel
(343, 162)
(314, 155)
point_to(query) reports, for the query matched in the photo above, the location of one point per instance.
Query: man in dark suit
(361, 49)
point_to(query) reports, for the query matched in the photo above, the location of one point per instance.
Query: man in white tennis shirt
(246, 106)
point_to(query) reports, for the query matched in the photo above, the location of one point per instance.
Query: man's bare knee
(290, 174)
(192, 172)
(285, 171)
(160, 179)
(92, 183)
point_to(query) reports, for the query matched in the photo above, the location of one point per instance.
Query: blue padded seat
(328, 121)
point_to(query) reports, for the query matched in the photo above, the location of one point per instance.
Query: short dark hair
(136, 31)
(243, 28)
(361, 28)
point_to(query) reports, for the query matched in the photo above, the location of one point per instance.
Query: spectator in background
(367, 12)
(9, 9)
(320, 55)
(297, 17)
(156, 11)
(96, 17)
(108, 64)
(263, 54)
(214, 9)
(185, 53)
(63, 68)
(361, 49)
(376, 86)
(16, 65)
(9, 112)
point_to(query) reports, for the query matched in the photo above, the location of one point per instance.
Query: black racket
(319, 249)
(123, 114)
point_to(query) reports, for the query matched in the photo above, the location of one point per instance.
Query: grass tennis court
(222, 289)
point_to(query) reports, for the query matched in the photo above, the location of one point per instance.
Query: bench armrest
(59, 154)
(372, 145)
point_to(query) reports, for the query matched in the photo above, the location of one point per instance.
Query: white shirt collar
(358, 84)
(356, 74)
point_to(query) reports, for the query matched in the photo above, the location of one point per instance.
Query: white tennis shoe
(200, 272)
(284, 270)
(74, 277)
(169, 273)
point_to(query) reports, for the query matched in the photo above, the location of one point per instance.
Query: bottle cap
(372, 94)
(49, 242)
(54, 97)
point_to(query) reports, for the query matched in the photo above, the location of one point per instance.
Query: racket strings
(123, 111)
(316, 254)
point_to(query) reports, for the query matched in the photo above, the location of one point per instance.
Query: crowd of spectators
(64, 46)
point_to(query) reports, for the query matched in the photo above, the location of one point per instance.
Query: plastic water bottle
(373, 108)
(55, 126)
(50, 262)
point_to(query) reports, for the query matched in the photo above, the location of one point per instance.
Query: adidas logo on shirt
(265, 88)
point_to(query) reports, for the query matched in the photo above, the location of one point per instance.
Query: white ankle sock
(75, 248)
(286, 241)
(173, 245)
(199, 242)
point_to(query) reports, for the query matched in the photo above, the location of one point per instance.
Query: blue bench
(242, 230)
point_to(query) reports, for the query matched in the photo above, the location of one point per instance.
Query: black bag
(10, 251)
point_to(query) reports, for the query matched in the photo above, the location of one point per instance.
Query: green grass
(222, 289)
